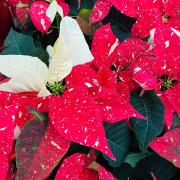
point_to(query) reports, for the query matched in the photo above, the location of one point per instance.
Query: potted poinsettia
(90, 90)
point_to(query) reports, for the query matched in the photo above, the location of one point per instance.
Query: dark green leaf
(123, 22)
(20, 44)
(120, 24)
(118, 138)
(87, 4)
(133, 159)
(126, 172)
(73, 5)
(77, 148)
(176, 121)
(121, 35)
(150, 165)
(152, 108)
(161, 168)
(177, 175)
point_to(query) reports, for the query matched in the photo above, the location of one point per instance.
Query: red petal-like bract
(149, 13)
(168, 146)
(171, 7)
(83, 74)
(111, 97)
(105, 175)
(154, 14)
(75, 168)
(127, 7)
(38, 16)
(130, 50)
(174, 22)
(64, 7)
(168, 114)
(25, 101)
(167, 45)
(30, 101)
(8, 99)
(145, 22)
(123, 90)
(104, 45)
(173, 95)
(147, 71)
(88, 174)
(22, 14)
(114, 107)
(100, 11)
(107, 78)
(5, 22)
(39, 149)
(145, 79)
(77, 118)
(149, 64)
(13, 2)
(132, 7)
(7, 126)
(72, 167)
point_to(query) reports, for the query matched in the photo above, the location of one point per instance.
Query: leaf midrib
(16, 44)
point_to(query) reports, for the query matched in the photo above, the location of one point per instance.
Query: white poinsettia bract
(30, 74)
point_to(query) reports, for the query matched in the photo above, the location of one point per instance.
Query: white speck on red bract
(38, 16)
(168, 146)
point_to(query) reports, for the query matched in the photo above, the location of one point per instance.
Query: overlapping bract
(37, 158)
(78, 166)
(40, 17)
(148, 13)
(5, 22)
(97, 91)
(168, 146)
(7, 126)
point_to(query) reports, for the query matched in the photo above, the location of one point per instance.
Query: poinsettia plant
(89, 89)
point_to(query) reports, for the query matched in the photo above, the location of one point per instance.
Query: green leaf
(150, 165)
(73, 5)
(118, 138)
(39, 149)
(133, 159)
(39, 116)
(161, 168)
(152, 108)
(121, 35)
(21, 44)
(84, 13)
(176, 121)
(119, 19)
(87, 4)
(125, 172)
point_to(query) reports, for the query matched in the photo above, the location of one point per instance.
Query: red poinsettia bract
(7, 126)
(78, 166)
(26, 102)
(38, 14)
(5, 22)
(168, 146)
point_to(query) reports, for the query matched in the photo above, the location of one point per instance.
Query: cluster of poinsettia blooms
(81, 89)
